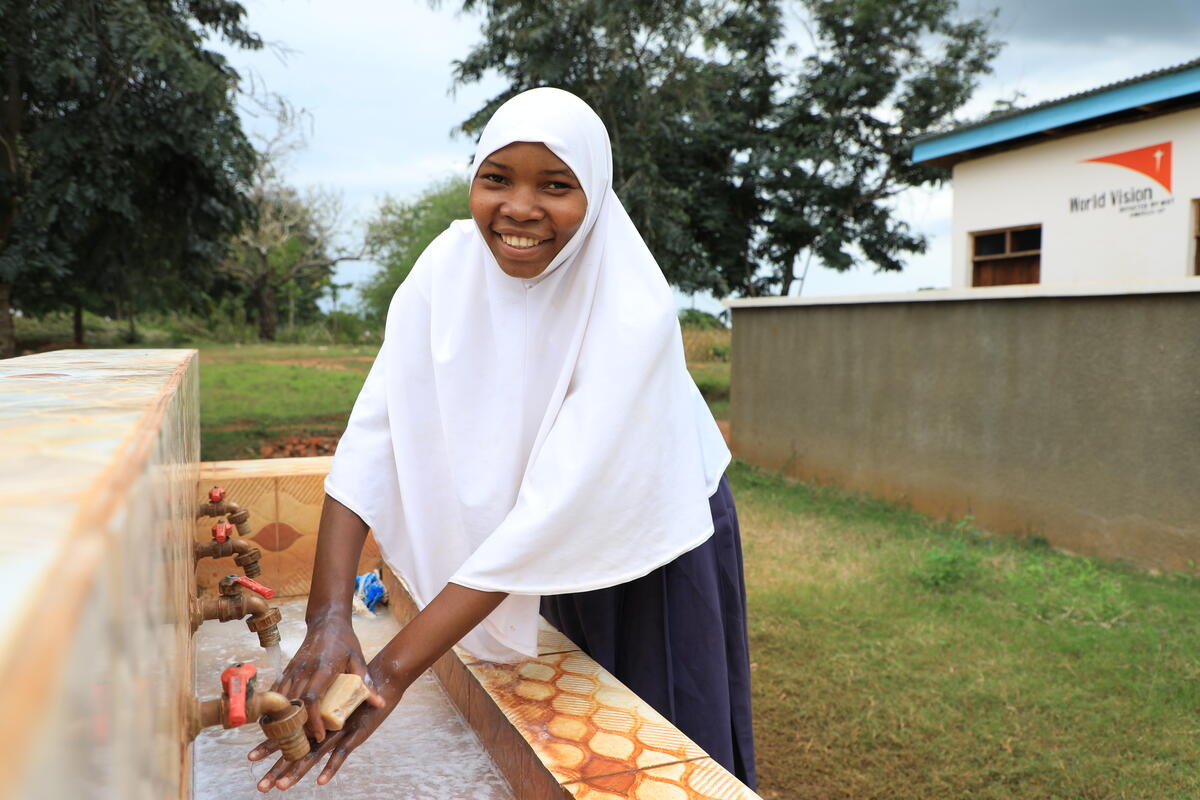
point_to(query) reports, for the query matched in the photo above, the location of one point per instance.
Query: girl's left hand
(338, 744)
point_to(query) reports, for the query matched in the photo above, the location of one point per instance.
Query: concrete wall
(1097, 237)
(1073, 417)
(98, 453)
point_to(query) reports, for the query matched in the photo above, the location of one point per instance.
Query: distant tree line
(742, 156)
(122, 161)
(127, 183)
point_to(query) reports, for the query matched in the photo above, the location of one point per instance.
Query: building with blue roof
(1097, 187)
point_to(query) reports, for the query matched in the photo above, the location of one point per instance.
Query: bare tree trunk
(268, 311)
(8, 336)
(78, 325)
(10, 124)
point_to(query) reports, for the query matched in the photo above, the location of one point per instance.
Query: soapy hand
(337, 744)
(329, 649)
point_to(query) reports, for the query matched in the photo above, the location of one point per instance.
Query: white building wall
(1100, 240)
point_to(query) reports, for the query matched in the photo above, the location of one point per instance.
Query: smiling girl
(529, 439)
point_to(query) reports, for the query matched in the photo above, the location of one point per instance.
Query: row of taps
(281, 718)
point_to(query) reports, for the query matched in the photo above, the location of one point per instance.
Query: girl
(529, 434)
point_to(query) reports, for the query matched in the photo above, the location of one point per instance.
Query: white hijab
(534, 436)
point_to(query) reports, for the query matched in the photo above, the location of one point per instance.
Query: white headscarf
(534, 436)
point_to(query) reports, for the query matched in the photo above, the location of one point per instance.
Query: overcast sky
(374, 78)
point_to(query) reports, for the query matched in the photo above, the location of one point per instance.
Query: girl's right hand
(330, 648)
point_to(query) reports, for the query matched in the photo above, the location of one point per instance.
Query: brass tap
(232, 604)
(219, 506)
(245, 555)
(281, 719)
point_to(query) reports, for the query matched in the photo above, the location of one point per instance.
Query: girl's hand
(329, 649)
(338, 744)
(334, 648)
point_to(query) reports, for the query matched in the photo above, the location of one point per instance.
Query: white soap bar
(344, 695)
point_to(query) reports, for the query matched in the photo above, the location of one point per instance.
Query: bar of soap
(344, 695)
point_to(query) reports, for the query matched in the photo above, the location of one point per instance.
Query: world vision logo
(1154, 162)
(1132, 201)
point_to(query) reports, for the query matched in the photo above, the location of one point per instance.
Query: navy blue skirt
(677, 637)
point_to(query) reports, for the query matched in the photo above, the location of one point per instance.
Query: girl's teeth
(517, 241)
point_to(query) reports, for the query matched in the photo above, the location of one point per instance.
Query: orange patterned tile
(552, 640)
(581, 721)
(267, 467)
(698, 779)
(592, 735)
(256, 495)
(300, 500)
(299, 516)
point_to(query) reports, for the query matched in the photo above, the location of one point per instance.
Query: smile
(520, 242)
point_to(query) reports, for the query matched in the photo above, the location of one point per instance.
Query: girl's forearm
(339, 545)
(433, 631)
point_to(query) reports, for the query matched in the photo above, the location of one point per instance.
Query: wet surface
(423, 751)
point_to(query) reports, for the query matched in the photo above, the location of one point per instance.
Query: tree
(772, 159)
(882, 73)
(292, 239)
(684, 77)
(122, 160)
(400, 231)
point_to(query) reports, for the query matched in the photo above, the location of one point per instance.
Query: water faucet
(232, 604)
(219, 506)
(281, 719)
(245, 555)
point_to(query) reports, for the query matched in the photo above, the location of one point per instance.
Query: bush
(696, 319)
(947, 568)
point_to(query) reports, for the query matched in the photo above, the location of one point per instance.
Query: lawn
(899, 657)
(894, 656)
(252, 395)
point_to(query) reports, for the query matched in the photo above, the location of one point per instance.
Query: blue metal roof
(1127, 95)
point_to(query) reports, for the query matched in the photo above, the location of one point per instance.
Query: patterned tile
(590, 733)
(299, 517)
(699, 779)
(581, 721)
(256, 495)
(551, 640)
(285, 496)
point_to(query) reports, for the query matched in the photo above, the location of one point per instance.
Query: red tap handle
(216, 494)
(255, 586)
(235, 682)
(220, 530)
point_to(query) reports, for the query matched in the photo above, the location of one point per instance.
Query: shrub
(701, 320)
(947, 568)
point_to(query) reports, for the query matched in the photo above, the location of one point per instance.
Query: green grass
(712, 378)
(258, 393)
(254, 394)
(899, 657)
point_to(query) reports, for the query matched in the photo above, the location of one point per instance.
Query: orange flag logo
(1154, 162)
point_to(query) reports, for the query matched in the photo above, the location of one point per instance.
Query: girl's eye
(492, 177)
(559, 186)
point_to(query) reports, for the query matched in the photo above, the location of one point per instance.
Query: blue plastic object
(369, 589)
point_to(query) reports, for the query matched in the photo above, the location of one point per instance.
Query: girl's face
(527, 204)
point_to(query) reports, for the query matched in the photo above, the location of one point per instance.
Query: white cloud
(375, 76)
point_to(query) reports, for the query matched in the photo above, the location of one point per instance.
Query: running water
(422, 751)
(271, 669)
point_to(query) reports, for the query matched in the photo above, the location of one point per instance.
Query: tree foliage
(122, 160)
(292, 243)
(741, 154)
(400, 231)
